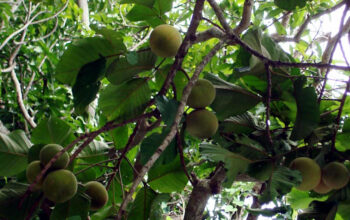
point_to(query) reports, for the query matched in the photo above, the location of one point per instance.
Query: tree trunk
(83, 4)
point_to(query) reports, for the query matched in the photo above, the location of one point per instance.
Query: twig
(181, 152)
(332, 44)
(246, 16)
(268, 103)
(220, 16)
(173, 129)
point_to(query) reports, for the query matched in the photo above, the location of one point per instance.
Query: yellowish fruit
(49, 151)
(322, 188)
(202, 94)
(310, 172)
(201, 123)
(98, 194)
(33, 170)
(335, 175)
(165, 40)
(60, 186)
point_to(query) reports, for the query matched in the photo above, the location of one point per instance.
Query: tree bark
(83, 4)
(201, 192)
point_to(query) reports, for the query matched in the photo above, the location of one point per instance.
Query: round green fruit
(201, 123)
(60, 186)
(335, 175)
(310, 172)
(322, 188)
(165, 40)
(49, 151)
(98, 194)
(33, 170)
(202, 94)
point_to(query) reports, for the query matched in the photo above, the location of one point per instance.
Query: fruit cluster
(201, 123)
(59, 184)
(333, 175)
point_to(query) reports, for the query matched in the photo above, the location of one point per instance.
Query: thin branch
(246, 16)
(54, 15)
(182, 159)
(297, 36)
(220, 16)
(173, 129)
(190, 36)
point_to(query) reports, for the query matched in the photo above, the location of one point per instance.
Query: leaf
(167, 109)
(121, 70)
(163, 6)
(95, 152)
(120, 136)
(79, 53)
(231, 99)
(234, 163)
(168, 178)
(10, 198)
(52, 130)
(127, 172)
(13, 153)
(157, 206)
(301, 199)
(281, 182)
(78, 206)
(343, 138)
(141, 13)
(115, 38)
(240, 124)
(148, 3)
(290, 5)
(149, 146)
(83, 95)
(126, 100)
(308, 111)
(141, 207)
(34, 152)
(103, 213)
(91, 72)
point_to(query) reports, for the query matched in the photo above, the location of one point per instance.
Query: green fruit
(165, 40)
(60, 186)
(33, 170)
(310, 172)
(202, 94)
(335, 175)
(201, 123)
(98, 194)
(49, 151)
(322, 188)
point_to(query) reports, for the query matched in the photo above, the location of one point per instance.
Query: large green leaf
(141, 207)
(167, 109)
(103, 213)
(120, 70)
(91, 72)
(126, 100)
(13, 152)
(149, 146)
(231, 99)
(82, 52)
(95, 152)
(157, 206)
(148, 3)
(141, 13)
(83, 95)
(10, 197)
(308, 111)
(281, 182)
(78, 206)
(240, 124)
(163, 6)
(290, 5)
(168, 178)
(301, 199)
(52, 130)
(343, 137)
(115, 38)
(234, 163)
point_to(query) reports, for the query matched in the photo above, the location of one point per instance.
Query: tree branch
(246, 16)
(173, 129)
(220, 16)
(83, 4)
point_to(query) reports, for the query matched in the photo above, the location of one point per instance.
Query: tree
(120, 111)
